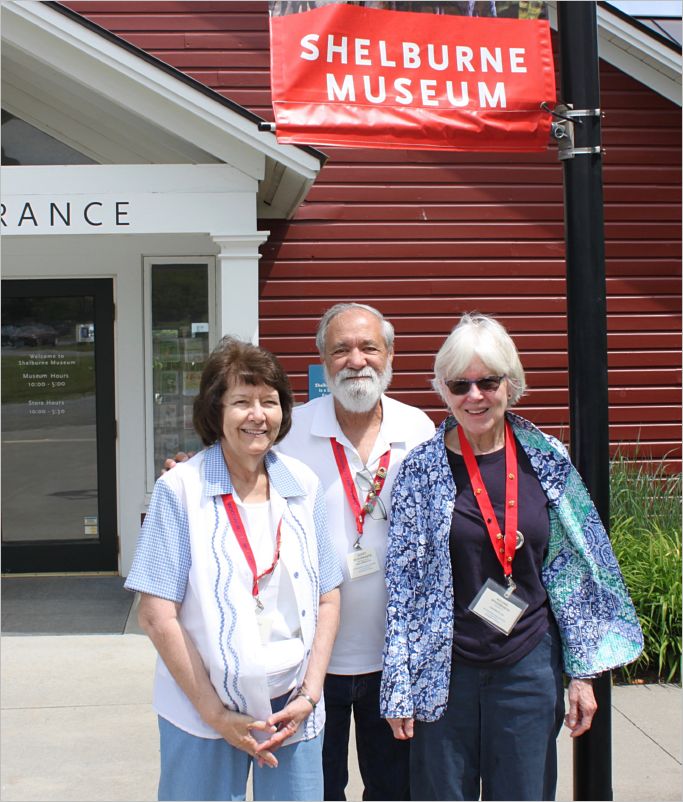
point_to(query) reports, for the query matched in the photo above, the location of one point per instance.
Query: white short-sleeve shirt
(359, 643)
(187, 553)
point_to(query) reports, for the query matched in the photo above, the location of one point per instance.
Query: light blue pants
(194, 768)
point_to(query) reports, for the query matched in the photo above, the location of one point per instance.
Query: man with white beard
(355, 440)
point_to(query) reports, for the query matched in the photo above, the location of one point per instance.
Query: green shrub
(645, 528)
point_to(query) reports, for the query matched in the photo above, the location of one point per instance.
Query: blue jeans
(194, 768)
(383, 761)
(498, 734)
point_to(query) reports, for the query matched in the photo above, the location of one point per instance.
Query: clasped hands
(237, 728)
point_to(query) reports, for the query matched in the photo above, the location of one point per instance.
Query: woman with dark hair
(240, 595)
(501, 577)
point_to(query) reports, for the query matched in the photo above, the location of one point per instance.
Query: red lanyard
(503, 545)
(241, 534)
(359, 512)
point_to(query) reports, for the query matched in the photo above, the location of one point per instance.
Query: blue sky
(651, 8)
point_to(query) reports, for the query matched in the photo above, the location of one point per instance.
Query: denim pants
(383, 761)
(498, 735)
(194, 768)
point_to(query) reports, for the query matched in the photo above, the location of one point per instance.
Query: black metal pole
(587, 332)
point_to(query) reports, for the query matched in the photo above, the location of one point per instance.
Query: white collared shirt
(359, 643)
(187, 553)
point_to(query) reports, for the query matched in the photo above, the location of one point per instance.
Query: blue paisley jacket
(598, 625)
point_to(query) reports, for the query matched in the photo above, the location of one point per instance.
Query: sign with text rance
(367, 77)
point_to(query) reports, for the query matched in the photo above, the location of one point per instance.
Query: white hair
(481, 336)
(338, 309)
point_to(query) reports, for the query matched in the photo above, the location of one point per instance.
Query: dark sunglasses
(486, 385)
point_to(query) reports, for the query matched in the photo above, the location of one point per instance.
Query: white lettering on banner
(492, 100)
(341, 48)
(494, 59)
(517, 59)
(383, 59)
(411, 55)
(362, 52)
(439, 92)
(428, 92)
(443, 64)
(402, 86)
(367, 53)
(312, 52)
(463, 58)
(405, 93)
(381, 95)
(346, 91)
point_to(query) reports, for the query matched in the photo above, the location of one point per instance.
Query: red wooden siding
(425, 236)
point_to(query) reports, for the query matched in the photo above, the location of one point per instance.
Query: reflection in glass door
(180, 347)
(58, 479)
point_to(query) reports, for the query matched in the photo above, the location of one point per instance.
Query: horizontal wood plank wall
(426, 236)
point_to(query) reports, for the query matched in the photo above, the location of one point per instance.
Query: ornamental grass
(645, 529)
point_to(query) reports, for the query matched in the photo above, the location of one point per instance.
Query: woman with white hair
(501, 577)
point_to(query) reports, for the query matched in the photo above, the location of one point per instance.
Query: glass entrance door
(58, 426)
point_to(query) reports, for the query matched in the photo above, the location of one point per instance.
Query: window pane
(180, 346)
(49, 437)
(23, 143)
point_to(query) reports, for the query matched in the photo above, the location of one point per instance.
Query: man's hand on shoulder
(171, 462)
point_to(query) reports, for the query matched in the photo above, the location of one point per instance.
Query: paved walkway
(77, 725)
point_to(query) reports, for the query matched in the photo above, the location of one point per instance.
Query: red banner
(366, 77)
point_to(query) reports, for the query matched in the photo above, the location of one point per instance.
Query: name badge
(265, 627)
(498, 606)
(362, 562)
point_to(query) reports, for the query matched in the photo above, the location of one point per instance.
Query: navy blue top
(473, 561)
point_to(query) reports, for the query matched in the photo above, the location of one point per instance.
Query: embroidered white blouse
(188, 553)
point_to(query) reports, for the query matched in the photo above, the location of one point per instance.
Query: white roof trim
(60, 43)
(635, 53)
(644, 57)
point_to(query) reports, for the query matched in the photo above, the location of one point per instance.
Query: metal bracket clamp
(584, 151)
(563, 112)
(562, 130)
(582, 112)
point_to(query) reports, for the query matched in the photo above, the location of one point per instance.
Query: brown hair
(236, 361)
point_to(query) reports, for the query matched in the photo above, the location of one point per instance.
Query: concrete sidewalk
(77, 724)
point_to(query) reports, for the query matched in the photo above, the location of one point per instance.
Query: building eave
(64, 44)
(636, 50)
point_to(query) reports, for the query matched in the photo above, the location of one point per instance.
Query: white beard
(361, 395)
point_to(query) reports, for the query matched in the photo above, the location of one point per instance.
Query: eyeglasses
(374, 506)
(488, 384)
